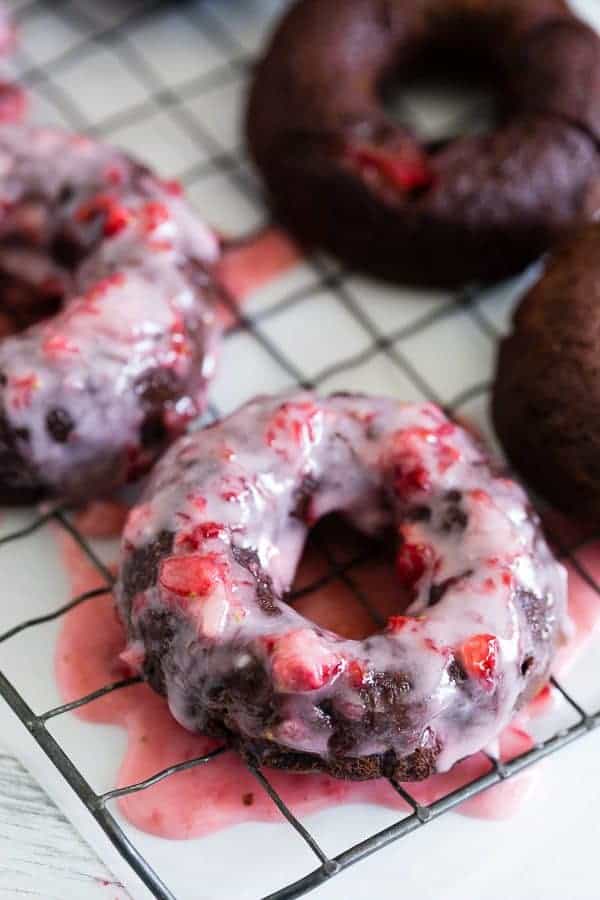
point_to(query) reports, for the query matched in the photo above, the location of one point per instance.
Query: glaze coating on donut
(91, 395)
(547, 379)
(344, 175)
(210, 553)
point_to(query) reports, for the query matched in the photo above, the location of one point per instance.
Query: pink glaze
(223, 793)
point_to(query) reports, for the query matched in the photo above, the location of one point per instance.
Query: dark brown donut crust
(495, 201)
(548, 376)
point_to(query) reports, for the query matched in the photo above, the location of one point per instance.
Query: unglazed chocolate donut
(345, 176)
(90, 394)
(548, 378)
(210, 553)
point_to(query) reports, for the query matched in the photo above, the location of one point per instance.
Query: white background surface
(168, 87)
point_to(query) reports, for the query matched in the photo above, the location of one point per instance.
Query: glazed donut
(343, 175)
(547, 379)
(119, 269)
(210, 553)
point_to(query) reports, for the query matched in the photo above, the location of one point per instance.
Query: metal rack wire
(389, 344)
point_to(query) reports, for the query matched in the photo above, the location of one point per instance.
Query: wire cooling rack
(102, 69)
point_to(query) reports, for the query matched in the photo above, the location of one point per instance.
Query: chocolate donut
(343, 175)
(117, 272)
(210, 553)
(548, 376)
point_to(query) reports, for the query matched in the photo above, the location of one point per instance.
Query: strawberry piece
(295, 424)
(406, 481)
(479, 656)
(447, 456)
(398, 623)
(193, 575)
(209, 530)
(479, 496)
(22, 389)
(404, 171)
(413, 448)
(300, 661)
(57, 345)
(116, 216)
(193, 539)
(154, 214)
(411, 563)
(356, 673)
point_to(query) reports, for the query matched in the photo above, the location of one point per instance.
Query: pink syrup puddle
(248, 265)
(223, 792)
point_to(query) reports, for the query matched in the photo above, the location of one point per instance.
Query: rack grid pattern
(173, 110)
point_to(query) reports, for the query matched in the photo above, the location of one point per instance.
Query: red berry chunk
(406, 171)
(300, 662)
(479, 656)
(411, 562)
(398, 623)
(356, 673)
(154, 215)
(116, 216)
(22, 389)
(294, 423)
(416, 451)
(479, 496)
(193, 575)
(193, 539)
(57, 345)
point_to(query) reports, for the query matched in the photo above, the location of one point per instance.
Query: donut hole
(346, 582)
(439, 100)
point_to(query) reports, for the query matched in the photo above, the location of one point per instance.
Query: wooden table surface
(41, 855)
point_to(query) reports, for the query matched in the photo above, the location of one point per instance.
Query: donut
(110, 276)
(210, 553)
(345, 176)
(547, 377)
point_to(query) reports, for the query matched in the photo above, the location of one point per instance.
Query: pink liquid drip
(247, 266)
(222, 792)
